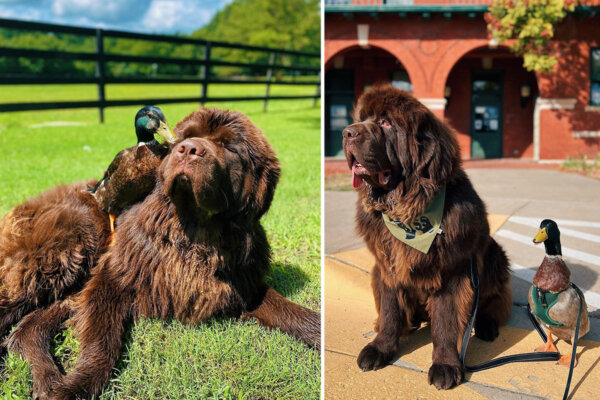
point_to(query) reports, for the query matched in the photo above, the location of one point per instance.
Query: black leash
(575, 339)
(523, 357)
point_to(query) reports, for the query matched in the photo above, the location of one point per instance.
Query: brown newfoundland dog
(193, 249)
(402, 157)
(47, 247)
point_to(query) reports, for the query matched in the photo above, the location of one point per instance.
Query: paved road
(526, 197)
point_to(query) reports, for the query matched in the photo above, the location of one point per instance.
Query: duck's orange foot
(111, 217)
(566, 361)
(549, 346)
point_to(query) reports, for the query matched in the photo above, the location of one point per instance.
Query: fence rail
(100, 78)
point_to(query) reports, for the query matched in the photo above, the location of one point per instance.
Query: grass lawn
(222, 358)
(341, 182)
(583, 165)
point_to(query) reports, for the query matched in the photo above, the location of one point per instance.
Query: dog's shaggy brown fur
(47, 247)
(407, 155)
(193, 249)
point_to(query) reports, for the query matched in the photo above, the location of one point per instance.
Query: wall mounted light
(487, 62)
(525, 94)
(362, 32)
(447, 93)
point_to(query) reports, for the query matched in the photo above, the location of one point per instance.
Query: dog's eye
(230, 149)
(384, 123)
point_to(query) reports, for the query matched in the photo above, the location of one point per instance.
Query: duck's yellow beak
(164, 134)
(541, 236)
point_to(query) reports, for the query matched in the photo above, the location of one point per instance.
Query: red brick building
(440, 50)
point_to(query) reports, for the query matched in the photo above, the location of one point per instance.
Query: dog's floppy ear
(438, 150)
(267, 177)
(264, 171)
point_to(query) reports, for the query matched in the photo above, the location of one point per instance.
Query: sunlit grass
(220, 359)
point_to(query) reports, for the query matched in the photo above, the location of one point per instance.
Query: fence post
(318, 90)
(99, 71)
(205, 74)
(269, 76)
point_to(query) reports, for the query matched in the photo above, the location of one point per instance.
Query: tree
(284, 24)
(531, 24)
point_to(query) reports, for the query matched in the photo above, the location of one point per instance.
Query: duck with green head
(552, 299)
(131, 175)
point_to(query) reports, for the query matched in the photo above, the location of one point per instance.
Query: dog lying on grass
(193, 249)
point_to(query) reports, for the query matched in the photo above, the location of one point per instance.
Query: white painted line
(523, 272)
(527, 274)
(566, 222)
(567, 252)
(535, 223)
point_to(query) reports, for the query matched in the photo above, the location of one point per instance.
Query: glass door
(486, 115)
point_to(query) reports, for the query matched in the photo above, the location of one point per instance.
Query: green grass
(23, 93)
(583, 165)
(341, 182)
(222, 358)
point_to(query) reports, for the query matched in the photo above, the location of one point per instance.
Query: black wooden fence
(101, 78)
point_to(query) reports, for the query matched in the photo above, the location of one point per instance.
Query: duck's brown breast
(553, 274)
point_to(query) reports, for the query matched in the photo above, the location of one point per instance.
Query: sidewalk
(517, 200)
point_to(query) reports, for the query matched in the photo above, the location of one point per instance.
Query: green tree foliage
(531, 24)
(282, 24)
(286, 24)
(45, 41)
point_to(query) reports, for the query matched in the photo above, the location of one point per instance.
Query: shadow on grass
(287, 279)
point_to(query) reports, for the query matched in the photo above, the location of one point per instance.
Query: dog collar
(420, 233)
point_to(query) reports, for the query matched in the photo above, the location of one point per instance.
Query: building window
(401, 80)
(595, 77)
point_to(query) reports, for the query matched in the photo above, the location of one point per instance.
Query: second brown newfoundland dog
(193, 249)
(403, 158)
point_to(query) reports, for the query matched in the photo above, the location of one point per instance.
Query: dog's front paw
(486, 328)
(444, 376)
(371, 358)
(40, 392)
(42, 385)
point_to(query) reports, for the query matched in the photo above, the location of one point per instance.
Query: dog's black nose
(190, 149)
(350, 132)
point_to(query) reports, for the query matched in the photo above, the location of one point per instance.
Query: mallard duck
(552, 299)
(131, 174)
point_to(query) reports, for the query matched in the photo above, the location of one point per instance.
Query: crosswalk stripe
(565, 222)
(567, 252)
(535, 223)
(527, 274)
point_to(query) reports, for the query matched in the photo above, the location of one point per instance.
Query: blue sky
(149, 16)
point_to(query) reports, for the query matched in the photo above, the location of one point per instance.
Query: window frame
(594, 78)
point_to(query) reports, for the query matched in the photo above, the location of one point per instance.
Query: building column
(436, 105)
(542, 103)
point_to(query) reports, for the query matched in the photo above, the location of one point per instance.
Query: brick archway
(516, 112)
(406, 59)
(348, 72)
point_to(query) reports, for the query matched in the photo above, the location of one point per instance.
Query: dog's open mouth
(360, 173)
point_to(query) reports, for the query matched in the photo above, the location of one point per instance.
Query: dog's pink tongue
(356, 180)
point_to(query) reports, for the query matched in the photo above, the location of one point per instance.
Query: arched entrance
(347, 75)
(490, 104)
